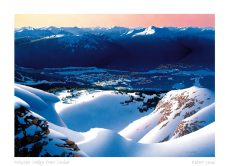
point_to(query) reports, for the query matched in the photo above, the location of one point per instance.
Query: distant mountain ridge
(115, 47)
(123, 30)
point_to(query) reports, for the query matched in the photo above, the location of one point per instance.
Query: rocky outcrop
(33, 138)
(169, 119)
(178, 113)
(196, 121)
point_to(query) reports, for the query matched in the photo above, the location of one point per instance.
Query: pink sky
(108, 20)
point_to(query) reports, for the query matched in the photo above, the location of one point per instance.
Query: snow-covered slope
(200, 143)
(181, 125)
(40, 102)
(175, 106)
(104, 109)
(106, 143)
(99, 142)
(199, 120)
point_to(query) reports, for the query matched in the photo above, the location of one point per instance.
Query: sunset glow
(108, 20)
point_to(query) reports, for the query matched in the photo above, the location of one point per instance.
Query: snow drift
(181, 125)
(40, 102)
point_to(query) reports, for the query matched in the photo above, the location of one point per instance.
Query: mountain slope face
(40, 102)
(178, 113)
(182, 122)
(116, 48)
(97, 108)
(34, 138)
(199, 143)
(195, 122)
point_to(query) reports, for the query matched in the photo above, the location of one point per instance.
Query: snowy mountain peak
(147, 31)
(50, 28)
(25, 28)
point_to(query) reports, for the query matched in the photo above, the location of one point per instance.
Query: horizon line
(91, 27)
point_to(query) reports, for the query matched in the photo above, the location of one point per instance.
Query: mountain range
(114, 48)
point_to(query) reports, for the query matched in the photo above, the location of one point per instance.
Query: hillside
(110, 123)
